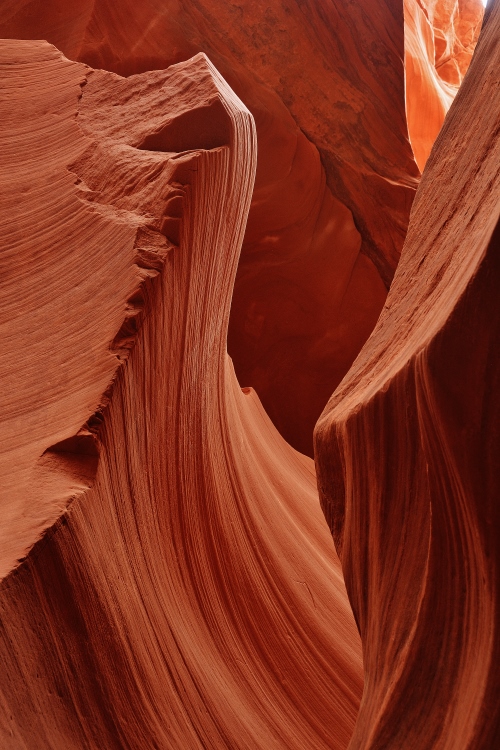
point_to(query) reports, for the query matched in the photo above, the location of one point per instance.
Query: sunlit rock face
(189, 594)
(440, 37)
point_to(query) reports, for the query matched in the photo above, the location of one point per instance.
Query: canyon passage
(250, 417)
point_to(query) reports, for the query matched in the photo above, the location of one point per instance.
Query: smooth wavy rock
(337, 67)
(189, 595)
(408, 452)
(335, 178)
(440, 38)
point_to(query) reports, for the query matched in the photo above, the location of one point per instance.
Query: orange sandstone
(408, 452)
(335, 176)
(440, 37)
(169, 580)
(189, 595)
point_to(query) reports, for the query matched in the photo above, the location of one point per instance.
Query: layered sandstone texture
(335, 174)
(440, 38)
(408, 451)
(187, 593)
(168, 578)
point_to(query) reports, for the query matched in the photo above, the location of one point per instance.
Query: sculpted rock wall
(408, 451)
(178, 586)
(440, 37)
(335, 175)
(190, 596)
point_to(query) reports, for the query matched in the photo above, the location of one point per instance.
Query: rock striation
(335, 175)
(187, 594)
(440, 38)
(408, 451)
(167, 576)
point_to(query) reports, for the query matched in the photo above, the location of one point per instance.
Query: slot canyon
(250, 262)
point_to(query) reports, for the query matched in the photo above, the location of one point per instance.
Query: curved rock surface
(335, 176)
(189, 596)
(408, 451)
(169, 580)
(440, 38)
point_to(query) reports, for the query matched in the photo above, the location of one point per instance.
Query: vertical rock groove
(408, 446)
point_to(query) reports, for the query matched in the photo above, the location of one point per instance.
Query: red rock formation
(440, 37)
(408, 452)
(180, 587)
(190, 597)
(324, 235)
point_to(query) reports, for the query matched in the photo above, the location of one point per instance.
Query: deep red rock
(440, 37)
(336, 173)
(335, 176)
(190, 595)
(169, 580)
(408, 451)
